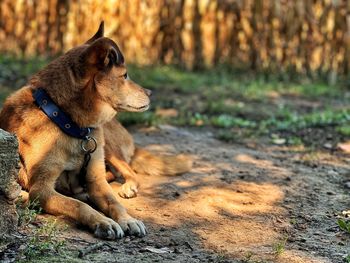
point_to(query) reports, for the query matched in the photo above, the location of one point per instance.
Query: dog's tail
(145, 162)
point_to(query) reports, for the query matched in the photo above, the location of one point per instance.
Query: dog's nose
(148, 92)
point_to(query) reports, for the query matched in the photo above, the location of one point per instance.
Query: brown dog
(89, 83)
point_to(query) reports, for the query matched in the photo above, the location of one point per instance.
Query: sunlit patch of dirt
(297, 256)
(232, 218)
(237, 201)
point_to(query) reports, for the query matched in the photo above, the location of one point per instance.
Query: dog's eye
(125, 75)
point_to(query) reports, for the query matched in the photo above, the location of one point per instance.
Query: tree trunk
(9, 189)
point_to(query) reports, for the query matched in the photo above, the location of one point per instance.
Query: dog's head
(106, 71)
(90, 82)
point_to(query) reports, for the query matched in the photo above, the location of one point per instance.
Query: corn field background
(308, 37)
(243, 88)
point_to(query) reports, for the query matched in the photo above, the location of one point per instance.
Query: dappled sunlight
(233, 201)
(245, 158)
(230, 217)
(237, 237)
(167, 148)
(260, 163)
(242, 199)
(297, 256)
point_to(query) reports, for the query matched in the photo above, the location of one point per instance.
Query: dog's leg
(42, 189)
(101, 193)
(130, 187)
(57, 204)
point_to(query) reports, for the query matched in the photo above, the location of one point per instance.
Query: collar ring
(89, 144)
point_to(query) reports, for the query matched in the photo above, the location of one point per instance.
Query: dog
(64, 119)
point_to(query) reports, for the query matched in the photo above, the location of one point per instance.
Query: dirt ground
(240, 203)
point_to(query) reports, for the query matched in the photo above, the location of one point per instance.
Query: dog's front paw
(132, 226)
(108, 229)
(128, 189)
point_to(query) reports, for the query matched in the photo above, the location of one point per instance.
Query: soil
(240, 203)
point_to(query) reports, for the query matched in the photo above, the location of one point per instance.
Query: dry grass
(301, 36)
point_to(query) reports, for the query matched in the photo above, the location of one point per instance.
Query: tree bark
(9, 189)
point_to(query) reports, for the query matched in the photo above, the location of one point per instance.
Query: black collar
(60, 118)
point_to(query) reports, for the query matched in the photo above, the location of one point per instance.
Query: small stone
(329, 136)
(347, 185)
(346, 213)
(279, 141)
(328, 146)
(332, 173)
(177, 251)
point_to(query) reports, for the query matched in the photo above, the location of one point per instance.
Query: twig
(189, 245)
(78, 240)
(83, 252)
(111, 246)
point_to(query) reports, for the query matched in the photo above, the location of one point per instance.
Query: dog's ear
(102, 54)
(98, 34)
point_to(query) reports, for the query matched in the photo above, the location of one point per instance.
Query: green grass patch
(255, 104)
(344, 130)
(146, 118)
(224, 81)
(279, 247)
(45, 241)
(315, 119)
(344, 225)
(27, 212)
(14, 71)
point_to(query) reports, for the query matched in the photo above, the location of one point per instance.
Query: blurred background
(273, 70)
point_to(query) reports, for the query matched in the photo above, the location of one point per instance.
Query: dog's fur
(90, 84)
(121, 155)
